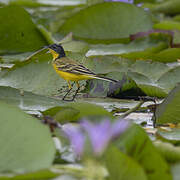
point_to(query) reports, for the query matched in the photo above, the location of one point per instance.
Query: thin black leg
(78, 87)
(75, 93)
(68, 92)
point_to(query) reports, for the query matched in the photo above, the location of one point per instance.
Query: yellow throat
(54, 54)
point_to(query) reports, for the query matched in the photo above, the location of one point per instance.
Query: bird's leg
(78, 87)
(70, 88)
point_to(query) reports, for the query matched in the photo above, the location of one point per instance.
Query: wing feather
(75, 69)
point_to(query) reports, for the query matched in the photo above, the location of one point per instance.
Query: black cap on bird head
(57, 48)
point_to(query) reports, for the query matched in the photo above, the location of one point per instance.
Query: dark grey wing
(75, 69)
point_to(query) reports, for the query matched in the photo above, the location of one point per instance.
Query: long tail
(105, 79)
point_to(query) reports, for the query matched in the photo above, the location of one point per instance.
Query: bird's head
(56, 50)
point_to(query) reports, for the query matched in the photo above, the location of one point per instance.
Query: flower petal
(76, 137)
(99, 134)
(119, 127)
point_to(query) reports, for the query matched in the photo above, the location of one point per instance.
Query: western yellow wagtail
(71, 70)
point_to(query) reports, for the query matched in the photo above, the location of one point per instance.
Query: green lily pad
(168, 25)
(136, 144)
(153, 90)
(13, 58)
(169, 79)
(26, 100)
(99, 64)
(153, 78)
(98, 88)
(169, 110)
(18, 32)
(168, 7)
(158, 53)
(35, 75)
(76, 111)
(116, 49)
(93, 23)
(152, 70)
(169, 151)
(120, 166)
(41, 174)
(143, 44)
(29, 146)
(172, 136)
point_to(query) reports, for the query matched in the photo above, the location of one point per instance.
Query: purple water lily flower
(118, 127)
(99, 134)
(76, 137)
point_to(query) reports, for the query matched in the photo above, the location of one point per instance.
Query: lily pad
(172, 135)
(169, 151)
(116, 49)
(93, 23)
(136, 144)
(169, 110)
(26, 100)
(20, 34)
(76, 111)
(35, 75)
(115, 162)
(41, 174)
(146, 43)
(158, 53)
(153, 78)
(168, 25)
(169, 79)
(24, 151)
(168, 7)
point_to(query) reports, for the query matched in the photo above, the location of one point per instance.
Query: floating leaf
(135, 143)
(29, 146)
(168, 7)
(153, 78)
(172, 136)
(168, 25)
(169, 110)
(120, 166)
(169, 79)
(20, 33)
(169, 151)
(94, 22)
(35, 75)
(76, 111)
(26, 100)
(41, 174)
(116, 49)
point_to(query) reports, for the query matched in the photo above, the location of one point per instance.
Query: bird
(71, 70)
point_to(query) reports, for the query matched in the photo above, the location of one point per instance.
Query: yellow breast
(70, 76)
